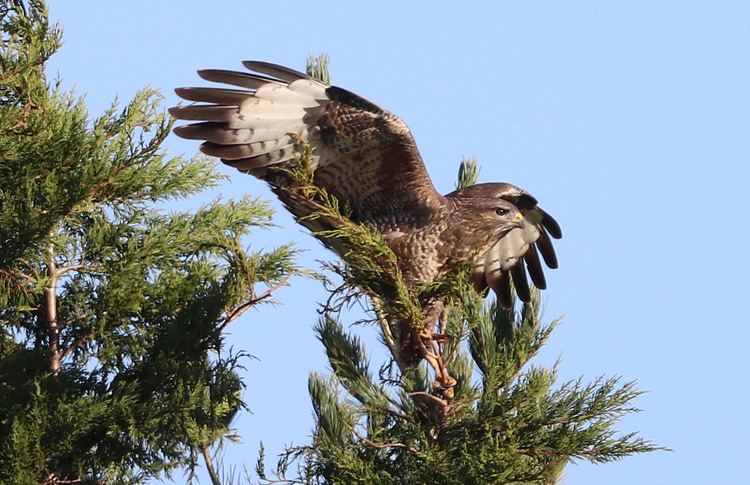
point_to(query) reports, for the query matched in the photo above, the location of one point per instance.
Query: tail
(255, 127)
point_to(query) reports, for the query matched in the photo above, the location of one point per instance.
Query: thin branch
(32, 269)
(559, 452)
(20, 273)
(253, 301)
(78, 344)
(17, 286)
(439, 400)
(285, 480)
(456, 405)
(38, 62)
(381, 445)
(209, 464)
(564, 419)
(385, 328)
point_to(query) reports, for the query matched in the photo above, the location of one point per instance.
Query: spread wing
(362, 154)
(519, 250)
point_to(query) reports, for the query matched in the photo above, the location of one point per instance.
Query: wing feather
(213, 95)
(204, 113)
(246, 150)
(548, 251)
(252, 164)
(354, 141)
(304, 94)
(534, 266)
(550, 224)
(275, 70)
(218, 134)
(241, 79)
(520, 282)
(503, 290)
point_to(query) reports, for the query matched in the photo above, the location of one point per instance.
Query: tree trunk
(50, 313)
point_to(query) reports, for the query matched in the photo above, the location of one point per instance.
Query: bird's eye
(500, 211)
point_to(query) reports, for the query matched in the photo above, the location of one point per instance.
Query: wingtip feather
(275, 70)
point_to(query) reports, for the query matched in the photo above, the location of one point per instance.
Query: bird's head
(499, 216)
(487, 213)
(523, 201)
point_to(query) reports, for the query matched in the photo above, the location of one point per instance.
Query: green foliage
(113, 365)
(510, 424)
(317, 67)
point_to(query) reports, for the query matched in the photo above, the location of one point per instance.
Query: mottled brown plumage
(366, 157)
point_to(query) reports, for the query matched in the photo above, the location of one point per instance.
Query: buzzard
(366, 157)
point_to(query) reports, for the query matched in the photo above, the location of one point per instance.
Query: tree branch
(209, 464)
(50, 313)
(77, 344)
(381, 445)
(253, 301)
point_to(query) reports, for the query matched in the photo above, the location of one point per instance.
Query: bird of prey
(367, 158)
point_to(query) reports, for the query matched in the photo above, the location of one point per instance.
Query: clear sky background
(629, 121)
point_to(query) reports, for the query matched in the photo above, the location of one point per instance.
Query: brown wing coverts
(363, 154)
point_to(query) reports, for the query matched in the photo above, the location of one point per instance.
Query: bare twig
(390, 341)
(437, 399)
(381, 445)
(78, 344)
(559, 453)
(38, 62)
(232, 316)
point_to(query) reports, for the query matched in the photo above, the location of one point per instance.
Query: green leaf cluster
(113, 364)
(509, 422)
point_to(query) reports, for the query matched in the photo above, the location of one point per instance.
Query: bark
(50, 313)
(210, 465)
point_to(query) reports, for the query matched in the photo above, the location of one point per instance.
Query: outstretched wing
(518, 251)
(362, 154)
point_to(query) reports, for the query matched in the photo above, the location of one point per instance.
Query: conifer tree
(113, 366)
(504, 421)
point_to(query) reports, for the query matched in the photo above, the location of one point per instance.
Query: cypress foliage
(113, 366)
(505, 420)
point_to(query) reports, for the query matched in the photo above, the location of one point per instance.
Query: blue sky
(629, 121)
